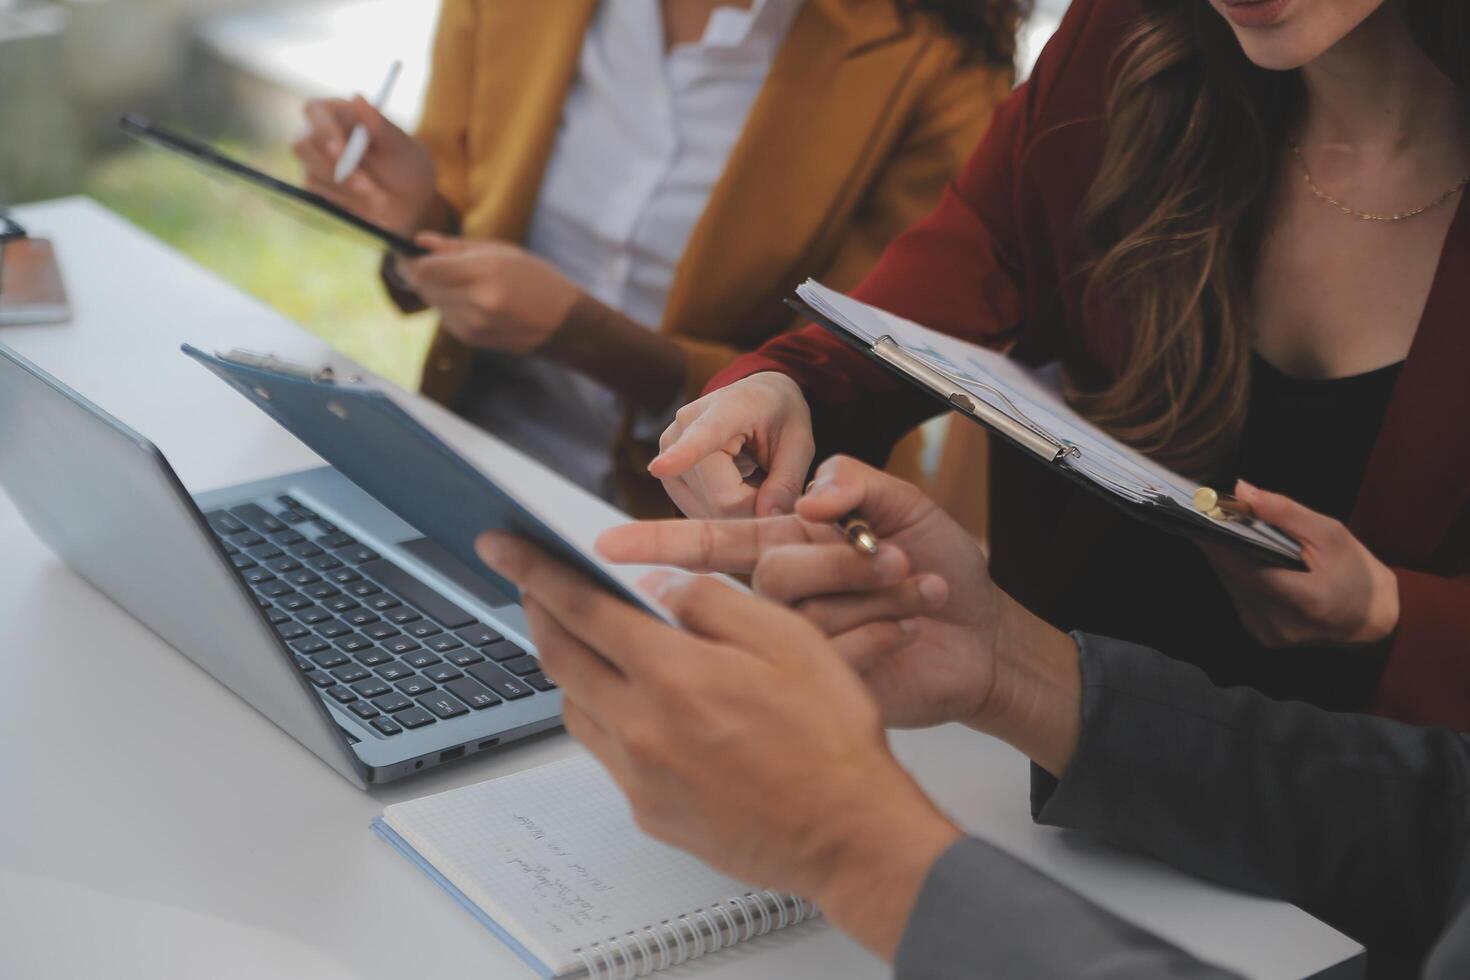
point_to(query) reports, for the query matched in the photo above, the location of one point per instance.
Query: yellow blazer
(863, 119)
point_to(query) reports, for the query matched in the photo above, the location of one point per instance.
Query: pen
(856, 529)
(357, 142)
(1221, 506)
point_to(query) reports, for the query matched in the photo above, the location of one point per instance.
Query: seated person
(617, 195)
(1250, 252)
(1362, 822)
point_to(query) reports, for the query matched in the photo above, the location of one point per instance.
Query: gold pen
(856, 529)
(1221, 506)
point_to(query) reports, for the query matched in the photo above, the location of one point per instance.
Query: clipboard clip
(274, 364)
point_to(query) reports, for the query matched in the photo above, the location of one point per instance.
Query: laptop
(372, 646)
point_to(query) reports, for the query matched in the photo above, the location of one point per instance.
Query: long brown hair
(1175, 215)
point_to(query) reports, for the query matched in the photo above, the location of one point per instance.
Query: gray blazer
(1360, 821)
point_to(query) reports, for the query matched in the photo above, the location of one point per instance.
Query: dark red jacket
(1000, 261)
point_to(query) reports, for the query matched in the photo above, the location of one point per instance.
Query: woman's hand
(741, 451)
(491, 295)
(393, 186)
(1346, 596)
(743, 739)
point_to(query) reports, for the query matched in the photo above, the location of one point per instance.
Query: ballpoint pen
(357, 142)
(856, 529)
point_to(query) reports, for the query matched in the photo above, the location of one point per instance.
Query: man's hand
(743, 739)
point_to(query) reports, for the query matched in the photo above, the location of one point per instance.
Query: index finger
(732, 546)
(708, 434)
(324, 118)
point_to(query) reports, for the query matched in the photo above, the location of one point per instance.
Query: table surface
(157, 826)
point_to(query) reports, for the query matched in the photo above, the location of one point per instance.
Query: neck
(1375, 92)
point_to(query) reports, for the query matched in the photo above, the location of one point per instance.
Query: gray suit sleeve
(984, 913)
(1360, 821)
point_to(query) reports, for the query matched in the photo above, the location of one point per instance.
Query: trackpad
(476, 583)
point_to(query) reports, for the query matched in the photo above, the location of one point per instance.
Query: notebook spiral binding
(691, 936)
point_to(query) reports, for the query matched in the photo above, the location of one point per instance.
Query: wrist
(875, 862)
(1382, 617)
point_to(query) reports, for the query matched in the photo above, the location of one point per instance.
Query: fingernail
(908, 627)
(776, 510)
(933, 590)
(1244, 489)
(889, 565)
(657, 584)
(490, 549)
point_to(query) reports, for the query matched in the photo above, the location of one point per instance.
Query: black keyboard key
(313, 615)
(324, 563)
(386, 725)
(420, 659)
(283, 564)
(328, 660)
(410, 589)
(287, 538)
(342, 694)
(277, 617)
(463, 658)
(303, 663)
(230, 549)
(380, 630)
(335, 540)
(274, 589)
(384, 602)
(414, 718)
(394, 671)
(307, 550)
(295, 602)
(321, 590)
(521, 666)
(343, 576)
(326, 527)
(242, 562)
(258, 517)
(292, 516)
(503, 651)
(262, 602)
(441, 673)
(373, 657)
(286, 500)
(350, 673)
(404, 615)
(540, 681)
(360, 554)
(472, 694)
(422, 630)
(499, 681)
(224, 524)
(264, 552)
(353, 642)
(400, 644)
(303, 577)
(312, 645)
(413, 686)
(362, 709)
(443, 705)
(320, 679)
(371, 688)
(248, 539)
(258, 576)
(360, 617)
(443, 644)
(333, 629)
(363, 589)
(391, 702)
(291, 631)
(342, 603)
(478, 635)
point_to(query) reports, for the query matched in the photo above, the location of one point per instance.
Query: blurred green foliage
(314, 272)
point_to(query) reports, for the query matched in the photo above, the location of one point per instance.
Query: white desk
(155, 826)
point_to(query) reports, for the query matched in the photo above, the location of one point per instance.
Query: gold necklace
(1368, 215)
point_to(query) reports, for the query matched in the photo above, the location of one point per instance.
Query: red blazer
(1000, 260)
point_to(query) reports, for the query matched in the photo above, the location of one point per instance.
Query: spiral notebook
(1026, 408)
(550, 860)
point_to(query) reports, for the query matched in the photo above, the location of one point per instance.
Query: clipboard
(375, 443)
(202, 153)
(1254, 537)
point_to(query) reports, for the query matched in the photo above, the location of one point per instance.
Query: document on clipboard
(216, 162)
(391, 447)
(1018, 406)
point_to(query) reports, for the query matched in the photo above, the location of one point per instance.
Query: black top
(1308, 439)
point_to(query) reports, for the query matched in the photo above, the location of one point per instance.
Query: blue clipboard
(373, 442)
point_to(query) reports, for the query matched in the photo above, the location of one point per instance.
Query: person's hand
(921, 620)
(491, 295)
(393, 186)
(741, 451)
(1346, 596)
(743, 739)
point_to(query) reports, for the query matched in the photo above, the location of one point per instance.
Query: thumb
(844, 485)
(1302, 523)
(435, 242)
(785, 475)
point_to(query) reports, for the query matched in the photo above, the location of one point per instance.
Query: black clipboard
(139, 127)
(1166, 515)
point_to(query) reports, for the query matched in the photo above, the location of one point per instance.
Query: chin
(1281, 35)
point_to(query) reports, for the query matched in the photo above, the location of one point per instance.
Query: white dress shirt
(644, 137)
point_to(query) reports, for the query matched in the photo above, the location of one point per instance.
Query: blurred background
(233, 72)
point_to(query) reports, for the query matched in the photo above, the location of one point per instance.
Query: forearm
(642, 365)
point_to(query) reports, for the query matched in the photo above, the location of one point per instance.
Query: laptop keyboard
(371, 637)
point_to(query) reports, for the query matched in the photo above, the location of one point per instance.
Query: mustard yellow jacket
(863, 119)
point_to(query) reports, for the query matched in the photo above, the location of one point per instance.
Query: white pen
(357, 142)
